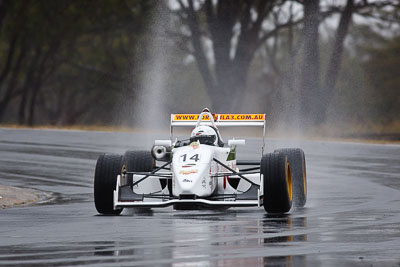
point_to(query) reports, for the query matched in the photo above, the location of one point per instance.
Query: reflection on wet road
(352, 216)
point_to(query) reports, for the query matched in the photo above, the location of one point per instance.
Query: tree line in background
(74, 62)
(65, 62)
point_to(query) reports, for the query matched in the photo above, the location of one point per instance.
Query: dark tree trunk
(12, 83)
(19, 25)
(310, 92)
(199, 53)
(35, 91)
(2, 13)
(10, 55)
(336, 55)
(29, 78)
(291, 52)
(220, 25)
(56, 116)
(42, 72)
(227, 80)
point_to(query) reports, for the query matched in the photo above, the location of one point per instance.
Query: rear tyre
(108, 167)
(277, 183)
(297, 163)
(137, 161)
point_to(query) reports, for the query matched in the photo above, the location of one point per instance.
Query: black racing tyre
(278, 196)
(108, 167)
(297, 163)
(137, 161)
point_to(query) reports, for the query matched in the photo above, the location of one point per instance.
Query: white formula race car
(201, 171)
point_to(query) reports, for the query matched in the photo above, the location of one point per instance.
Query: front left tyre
(108, 167)
(277, 179)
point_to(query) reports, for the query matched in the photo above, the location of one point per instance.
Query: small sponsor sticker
(195, 145)
(184, 172)
(191, 117)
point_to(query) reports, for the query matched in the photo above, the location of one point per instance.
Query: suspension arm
(235, 172)
(151, 173)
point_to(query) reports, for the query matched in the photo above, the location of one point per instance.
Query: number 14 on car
(186, 157)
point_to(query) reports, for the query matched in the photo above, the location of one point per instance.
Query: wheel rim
(123, 169)
(304, 178)
(289, 181)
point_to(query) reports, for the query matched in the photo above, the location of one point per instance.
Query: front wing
(124, 197)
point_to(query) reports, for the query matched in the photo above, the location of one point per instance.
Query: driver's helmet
(205, 135)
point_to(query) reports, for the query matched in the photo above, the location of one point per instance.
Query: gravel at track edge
(11, 196)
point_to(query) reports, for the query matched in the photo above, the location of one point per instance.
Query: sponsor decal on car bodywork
(203, 182)
(220, 117)
(195, 145)
(184, 172)
(188, 166)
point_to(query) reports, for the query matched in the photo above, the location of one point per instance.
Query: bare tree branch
(337, 50)
(198, 47)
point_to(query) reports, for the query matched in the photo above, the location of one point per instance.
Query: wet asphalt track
(352, 217)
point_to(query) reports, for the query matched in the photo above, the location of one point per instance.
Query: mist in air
(311, 79)
(316, 68)
(152, 100)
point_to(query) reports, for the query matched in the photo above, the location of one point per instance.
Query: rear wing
(219, 120)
